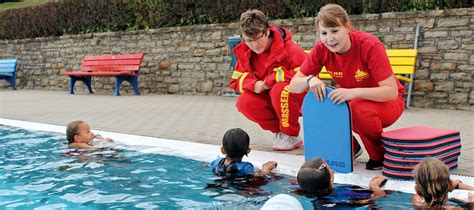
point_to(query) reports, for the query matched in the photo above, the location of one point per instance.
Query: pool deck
(202, 119)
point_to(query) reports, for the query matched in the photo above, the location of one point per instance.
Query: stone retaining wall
(194, 59)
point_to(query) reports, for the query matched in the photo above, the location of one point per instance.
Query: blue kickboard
(328, 132)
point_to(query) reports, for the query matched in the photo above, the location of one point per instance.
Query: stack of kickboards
(407, 147)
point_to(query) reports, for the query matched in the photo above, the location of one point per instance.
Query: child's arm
(457, 184)
(376, 185)
(267, 168)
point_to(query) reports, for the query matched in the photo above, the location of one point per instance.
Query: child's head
(432, 181)
(332, 15)
(235, 143)
(315, 177)
(79, 132)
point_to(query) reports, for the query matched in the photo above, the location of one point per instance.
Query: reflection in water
(249, 186)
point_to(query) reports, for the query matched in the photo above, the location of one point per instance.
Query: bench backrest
(403, 62)
(8, 66)
(112, 62)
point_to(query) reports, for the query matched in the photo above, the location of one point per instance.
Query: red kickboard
(409, 175)
(428, 145)
(418, 133)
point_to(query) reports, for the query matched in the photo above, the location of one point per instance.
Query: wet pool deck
(202, 119)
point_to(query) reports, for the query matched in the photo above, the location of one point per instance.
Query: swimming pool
(37, 170)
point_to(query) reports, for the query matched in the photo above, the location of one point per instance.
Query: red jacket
(283, 63)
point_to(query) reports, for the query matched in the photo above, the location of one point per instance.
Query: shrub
(85, 16)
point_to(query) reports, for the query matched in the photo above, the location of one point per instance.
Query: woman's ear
(222, 150)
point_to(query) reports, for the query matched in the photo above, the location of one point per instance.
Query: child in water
(235, 145)
(80, 136)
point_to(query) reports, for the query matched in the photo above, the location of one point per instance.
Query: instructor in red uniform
(267, 60)
(358, 63)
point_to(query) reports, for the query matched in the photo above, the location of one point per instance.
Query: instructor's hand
(317, 87)
(341, 95)
(260, 86)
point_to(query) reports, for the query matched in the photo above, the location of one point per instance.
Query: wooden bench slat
(111, 68)
(403, 69)
(5, 65)
(110, 62)
(7, 69)
(403, 78)
(325, 76)
(112, 57)
(402, 52)
(81, 73)
(8, 61)
(399, 61)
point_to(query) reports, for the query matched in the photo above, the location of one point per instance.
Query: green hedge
(86, 16)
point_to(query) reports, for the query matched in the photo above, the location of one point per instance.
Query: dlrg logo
(338, 164)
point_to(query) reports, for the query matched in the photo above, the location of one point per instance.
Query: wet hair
(253, 22)
(72, 129)
(332, 15)
(236, 143)
(432, 181)
(314, 177)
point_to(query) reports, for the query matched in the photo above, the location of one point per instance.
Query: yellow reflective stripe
(280, 74)
(297, 69)
(241, 81)
(236, 74)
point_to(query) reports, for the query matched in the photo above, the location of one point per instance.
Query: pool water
(38, 170)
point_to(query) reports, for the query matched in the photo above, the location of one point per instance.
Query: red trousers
(274, 110)
(368, 120)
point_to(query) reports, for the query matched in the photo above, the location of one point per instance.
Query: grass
(21, 4)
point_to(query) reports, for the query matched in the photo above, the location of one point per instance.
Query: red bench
(123, 67)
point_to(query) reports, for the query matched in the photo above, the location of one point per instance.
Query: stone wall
(194, 59)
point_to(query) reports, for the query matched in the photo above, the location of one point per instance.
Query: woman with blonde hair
(358, 63)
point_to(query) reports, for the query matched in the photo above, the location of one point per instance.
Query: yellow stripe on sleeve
(241, 81)
(236, 74)
(280, 74)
